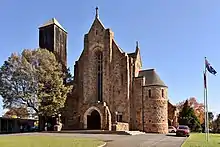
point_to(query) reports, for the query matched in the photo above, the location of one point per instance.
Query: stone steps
(135, 132)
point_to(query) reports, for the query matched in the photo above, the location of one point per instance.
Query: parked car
(172, 129)
(183, 131)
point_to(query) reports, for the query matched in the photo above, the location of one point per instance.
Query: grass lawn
(198, 140)
(47, 141)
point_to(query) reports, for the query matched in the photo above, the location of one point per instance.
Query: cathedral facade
(111, 91)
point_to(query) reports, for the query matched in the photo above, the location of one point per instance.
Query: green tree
(33, 79)
(216, 124)
(210, 117)
(68, 76)
(187, 117)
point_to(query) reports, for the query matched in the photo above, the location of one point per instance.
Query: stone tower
(156, 103)
(53, 37)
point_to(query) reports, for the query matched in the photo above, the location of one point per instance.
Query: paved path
(147, 140)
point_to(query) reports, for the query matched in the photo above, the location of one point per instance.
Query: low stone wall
(122, 126)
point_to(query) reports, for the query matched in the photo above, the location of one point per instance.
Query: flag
(204, 80)
(210, 68)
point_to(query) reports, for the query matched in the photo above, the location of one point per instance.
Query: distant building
(111, 90)
(13, 125)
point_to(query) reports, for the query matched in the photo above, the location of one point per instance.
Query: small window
(162, 92)
(149, 92)
(96, 32)
(122, 79)
(119, 117)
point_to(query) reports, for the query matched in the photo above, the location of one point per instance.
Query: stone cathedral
(111, 91)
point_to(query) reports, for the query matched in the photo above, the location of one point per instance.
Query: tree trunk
(41, 123)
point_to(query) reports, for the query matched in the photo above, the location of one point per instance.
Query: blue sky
(174, 36)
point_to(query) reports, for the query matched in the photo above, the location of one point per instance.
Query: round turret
(155, 103)
(156, 113)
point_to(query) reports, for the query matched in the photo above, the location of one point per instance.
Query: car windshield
(183, 127)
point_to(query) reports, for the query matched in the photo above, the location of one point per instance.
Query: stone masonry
(110, 89)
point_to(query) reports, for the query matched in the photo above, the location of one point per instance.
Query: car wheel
(172, 131)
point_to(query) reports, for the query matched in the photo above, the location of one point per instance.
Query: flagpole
(211, 70)
(207, 112)
(204, 75)
(207, 116)
(205, 94)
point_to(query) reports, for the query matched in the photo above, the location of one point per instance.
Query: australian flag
(210, 68)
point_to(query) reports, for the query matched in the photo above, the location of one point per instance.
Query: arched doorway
(94, 120)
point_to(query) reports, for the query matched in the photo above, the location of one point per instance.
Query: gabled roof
(97, 23)
(53, 21)
(136, 53)
(152, 78)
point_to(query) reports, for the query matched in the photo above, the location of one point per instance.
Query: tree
(33, 79)
(187, 117)
(14, 112)
(216, 124)
(198, 108)
(210, 118)
(68, 76)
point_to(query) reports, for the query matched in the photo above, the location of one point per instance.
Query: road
(147, 140)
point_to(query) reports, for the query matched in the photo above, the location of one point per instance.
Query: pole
(207, 115)
(205, 99)
(204, 74)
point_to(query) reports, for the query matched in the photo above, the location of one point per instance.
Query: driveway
(146, 140)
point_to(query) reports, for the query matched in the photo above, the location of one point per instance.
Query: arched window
(162, 92)
(149, 92)
(99, 60)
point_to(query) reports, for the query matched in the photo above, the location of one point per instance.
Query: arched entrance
(94, 121)
(93, 118)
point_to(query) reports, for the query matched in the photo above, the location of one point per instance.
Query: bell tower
(53, 37)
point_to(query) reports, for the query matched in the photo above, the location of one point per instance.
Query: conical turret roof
(152, 78)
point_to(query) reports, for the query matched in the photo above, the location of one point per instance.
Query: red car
(183, 131)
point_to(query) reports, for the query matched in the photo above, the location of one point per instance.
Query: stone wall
(70, 115)
(138, 103)
(122, 126)
(119, 83)
(172, 115)
(155, 110)
(60, 45)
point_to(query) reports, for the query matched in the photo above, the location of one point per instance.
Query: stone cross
(97, 13)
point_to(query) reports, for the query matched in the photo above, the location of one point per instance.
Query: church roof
(152, 78)
(53, 21)
(133, 55)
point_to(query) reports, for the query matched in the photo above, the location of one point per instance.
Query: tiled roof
(152, 78)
